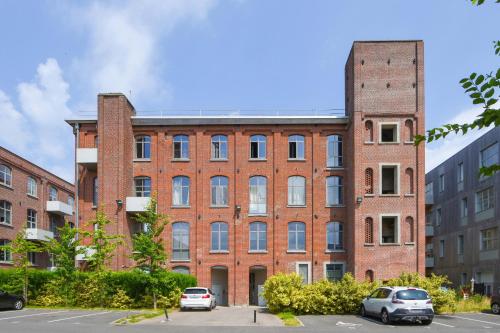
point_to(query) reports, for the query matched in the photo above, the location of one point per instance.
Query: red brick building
(250, 196)
(31, 198)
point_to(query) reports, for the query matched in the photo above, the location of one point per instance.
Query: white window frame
(182, 187)
(257, 208)
(398, 228)
(336, 159)
(309, 270)
(340, 188)
(31, 219)
(143, 145)
(295, 248)
(220, 234)
(290, 193)
(6, 171)
(32, 187)
(297, 150)
(181, 249)
(398, 178)
(219, 191)
(261, 146)
(7, 254)
(7, 212)
(325, 276)
(340, 231)
(141, 190)
(490, 199)
(490, 159)
(380, 132)
(222, 142)
(257, 232)
(493, 239)
(56, 192)
(183, 141)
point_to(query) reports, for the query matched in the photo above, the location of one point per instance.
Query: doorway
(219, 284)
(256, 279)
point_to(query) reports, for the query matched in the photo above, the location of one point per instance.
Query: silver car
(198, 297)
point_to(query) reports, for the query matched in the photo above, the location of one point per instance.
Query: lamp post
(472, 286)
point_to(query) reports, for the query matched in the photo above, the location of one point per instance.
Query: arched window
(180, 241)
(296, 191)
(219, 189)
(334, 191)
(95, 191)
(258, 147)
(369, 276)
(409, 137)
(409, 176)
(181, 147)
(219, 147)
(31, 187)
(334, 151)
(181, 269)
(142, 186)
(334, 236)
(411, 229)
(143, 147)
(296, 147)
(5, 212)
(258, 195)
(71, 202)
(258, 236)
(5, 255)
(52, 193)
(368, 131)
(369, 230)
(31, 219)
(5, 175)
(219, 231)
(369, 181)
(296, 236)
(180, 191)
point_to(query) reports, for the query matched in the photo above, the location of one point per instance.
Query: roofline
(388, 41)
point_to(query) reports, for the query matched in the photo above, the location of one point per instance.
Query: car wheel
(18, 305)
(362, 311)
(209, 308)
(183, 309)
(384, 316)
(495, 308)
(427, 322)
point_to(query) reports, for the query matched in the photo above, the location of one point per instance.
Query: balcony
(429, 198)
(36, 234)
(429, 262)
(59, 208)
(83, 256)
(137, 204)
(87, 157)
(429, 230)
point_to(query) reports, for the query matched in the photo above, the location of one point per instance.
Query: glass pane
(304, 273)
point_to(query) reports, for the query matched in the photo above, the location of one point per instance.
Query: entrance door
(217, 290)
(256, 279)
(219, 284)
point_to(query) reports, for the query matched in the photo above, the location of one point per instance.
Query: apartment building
(34, 199)
(250, 196)
(463, 216)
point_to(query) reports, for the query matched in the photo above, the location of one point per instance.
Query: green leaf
(491, 102)
(485, 86)
(475, 95)
(479, 79)
(489, 93)
(478, 101)
(472, 76)
(463, 80)
(466, 85)
(498, 74)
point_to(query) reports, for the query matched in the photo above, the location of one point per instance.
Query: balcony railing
(429, 230)
(87, 157)
(36, 234)
(137, 204)
(429, 262)
(59, 208)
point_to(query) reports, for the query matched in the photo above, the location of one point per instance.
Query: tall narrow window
(460, 245)
(95, 191)
(441, 182)
(489, 239)
(439, 217)
(181, 147)
(389, 179)
(369, 181)
(369, 230)
(258, 147)
(180, 191)
(143, 147)
(485, 200)
(296, 191)
(31, 219)
(296, 147)
(96, 141)
(368, 131)
(441, 248)
(52, 193)
(5, 212)
(180, 241)
(334, 151)
(489, 156)
(296, 236)
(258, 195)
(5, 254)
(31, 187)
(334, 191)
(460, 173)
(142, 186)
(389, 230)
(409, 130)
(334, 236)
(258, 236)
(71, 202)
(411, 229)
(409, 179)
(219, 147)
(219, 191)
(464, 210)
(219, 232)
(5, 175)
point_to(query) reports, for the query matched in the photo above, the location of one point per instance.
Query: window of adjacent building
(368, 131)
(334, 236)
(429, 189)
(411, 229)
(463, 279)
(369, 181)
(143, 147)
(489, 239)
(296, 147)
(258, 195)
(32, 258)
(258, 236)
(334, 271)
(369, 230)
(439, 217)
(52, 193)
(441, 248)
(181, 147)
(296, 191)
(180, 191)
(31, 219)
(142, 186)
(485, 200)
(463, 208)
(31, 187)
(389, 232)
(5, 175)
(71, 202)
(258, 147)
(334, 191)
(219, 231)
(460, 244)
(219, 147)
(441, 183)
(95, 191)
(460, 173)
(5, 254)
(303, 271)
(389, 133)
(181, 269)
(180, 241)
(219, 191)
(53, 225)
(334, 151)
(408, 130)
(5, 212)
(489, 156)
(296, 236)
(389, 179)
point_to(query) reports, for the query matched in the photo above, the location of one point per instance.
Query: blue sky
(247, 54)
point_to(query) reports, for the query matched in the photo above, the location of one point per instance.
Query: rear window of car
(412, 295)
(195, 291)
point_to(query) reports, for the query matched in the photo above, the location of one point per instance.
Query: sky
(56, 56)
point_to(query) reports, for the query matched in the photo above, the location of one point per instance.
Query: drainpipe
(76, 131)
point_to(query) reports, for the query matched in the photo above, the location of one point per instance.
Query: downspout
(312, 208)
(77, 182)
(236, 216)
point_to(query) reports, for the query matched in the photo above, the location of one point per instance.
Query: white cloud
(439, 151)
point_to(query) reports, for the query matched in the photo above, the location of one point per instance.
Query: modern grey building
(463, 216)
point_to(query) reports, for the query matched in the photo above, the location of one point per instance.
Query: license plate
(195, 296)
(417, 311)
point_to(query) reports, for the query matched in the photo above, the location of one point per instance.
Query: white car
(198, 297)
(399, 304)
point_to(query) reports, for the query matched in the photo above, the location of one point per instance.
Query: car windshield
(412, 295)
(195, 291)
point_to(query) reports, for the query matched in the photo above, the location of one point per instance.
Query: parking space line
(437, 323)
(35, 314)
(480, 321)
(86, 315)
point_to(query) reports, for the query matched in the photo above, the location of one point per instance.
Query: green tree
(148, 249)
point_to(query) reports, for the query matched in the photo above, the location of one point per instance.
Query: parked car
(9, 301)
(399, 304)
(198, 297)
(495, 304)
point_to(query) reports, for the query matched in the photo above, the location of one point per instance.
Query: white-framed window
(429, 190)
(464, 210)
(258, 236)
(52, 193)
(489, 155)
(181, 269)
(303, 269)
(296, 191)
(296, 236)
(180, 191)
(460, 244)
(5, 254)
(489, 239)
(143, 147)
(334, 236)
(53, 225)
(219, 186)
(5, 175)
(460, 172)
(296, 147)
(389, 229)
(5, 212)
(258, 195)
(389, 132)
(334, 191)
(31, 218)
(31, 187)
(219, 147)
(220, 236)
(258, 147)
(485, 200)
(334, 151)
(95, 191)
(334, 271)
(439, 216)
(32, 258)
(389, 179)
(181, 146)
(180, 241)
(71, 202)
(441, 248)
(142, 186)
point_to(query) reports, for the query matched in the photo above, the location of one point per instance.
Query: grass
(135, 318)
(289, 319)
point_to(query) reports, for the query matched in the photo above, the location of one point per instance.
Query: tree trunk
(154, 300)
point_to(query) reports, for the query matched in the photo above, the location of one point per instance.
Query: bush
(279, 290)
(120, 300)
